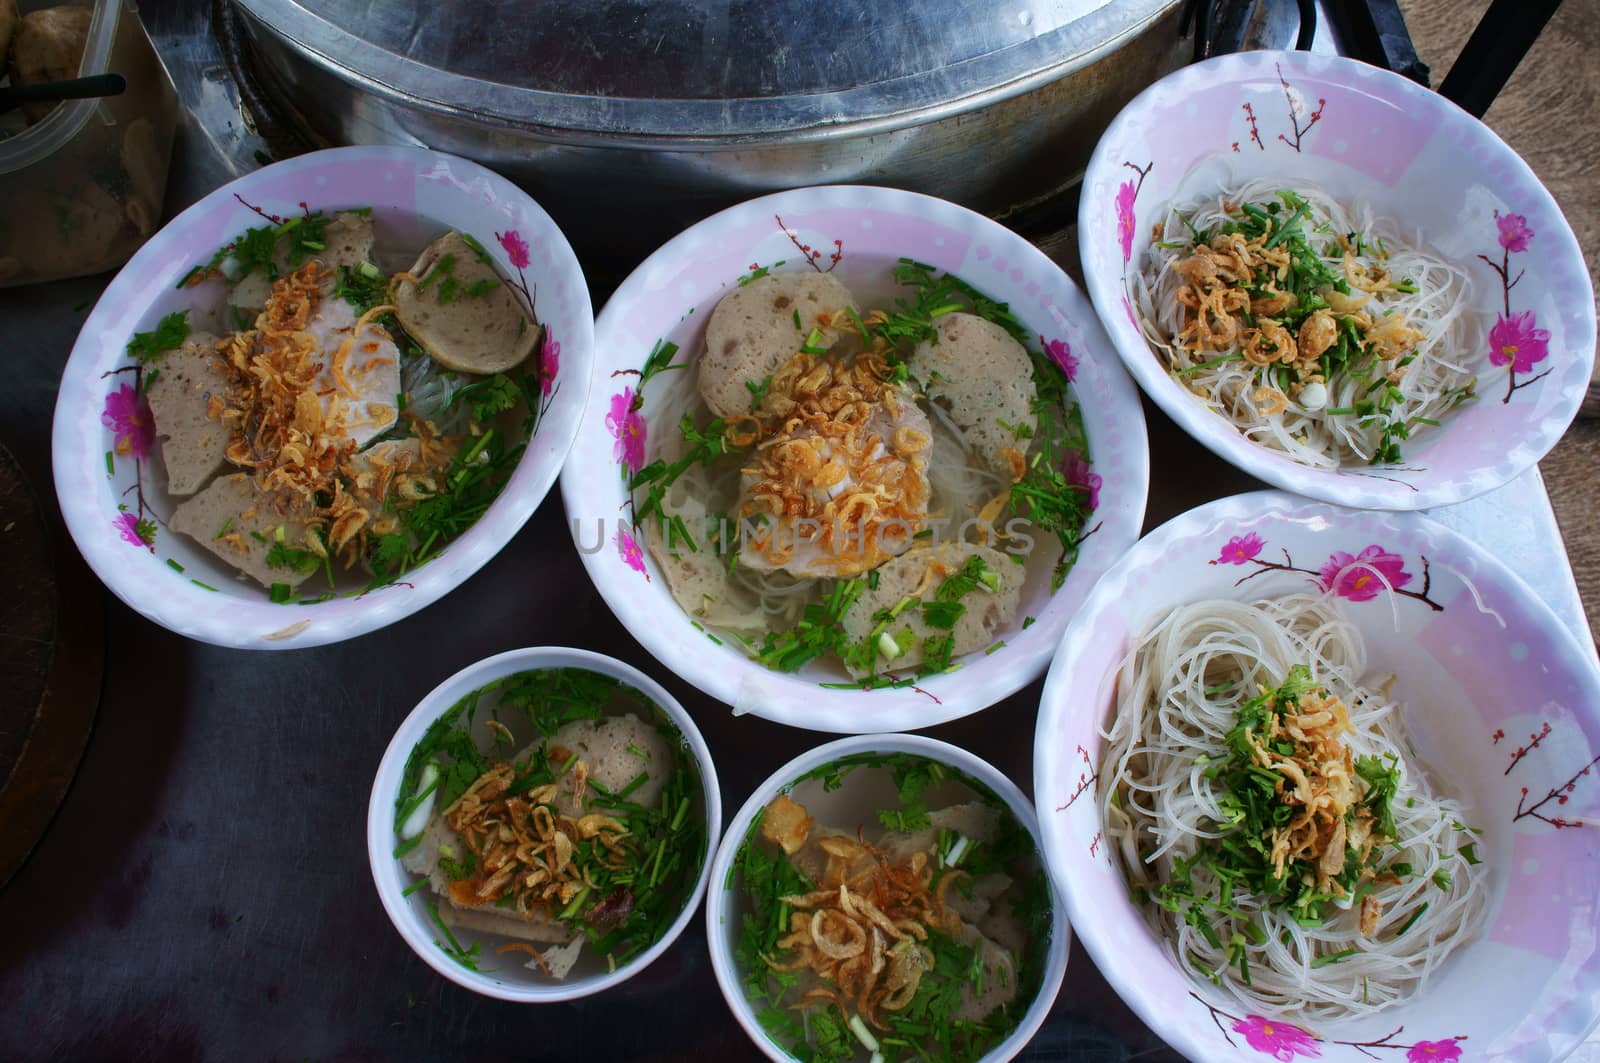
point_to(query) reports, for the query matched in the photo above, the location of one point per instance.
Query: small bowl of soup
(883, 898)
(541, 824)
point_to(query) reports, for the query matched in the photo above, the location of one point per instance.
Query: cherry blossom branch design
(1295, 110)
(811, 254)
(1558, 794)
(1086, 780)
(1515, 341)
(1356, 577)
(1285, 1041)
(1523, 751)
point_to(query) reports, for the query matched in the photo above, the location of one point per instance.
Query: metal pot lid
(712, 70)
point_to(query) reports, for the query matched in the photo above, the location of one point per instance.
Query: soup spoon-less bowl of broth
(540, 827)
(322, 397)
(852, 457)
(883, 898)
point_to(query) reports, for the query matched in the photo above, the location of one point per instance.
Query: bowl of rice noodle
(322, 397)
(851, 458)
(1337, 280)
(1316, 783)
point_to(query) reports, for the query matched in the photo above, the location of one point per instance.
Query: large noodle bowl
(1314, 328)
(1277, 832)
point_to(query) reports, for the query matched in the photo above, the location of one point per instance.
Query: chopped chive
(174, 565)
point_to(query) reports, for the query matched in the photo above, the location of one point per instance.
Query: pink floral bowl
(1365, 136)
(108, 478)
(859, 234)
(1502, 704)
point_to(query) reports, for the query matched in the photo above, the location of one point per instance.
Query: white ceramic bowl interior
(723, 922)
(1479, 682)
(508, 980)
(1366, 136)
(670, 296)
(416, 195)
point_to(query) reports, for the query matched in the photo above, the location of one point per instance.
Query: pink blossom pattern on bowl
(1371, 139)
(1483, 659)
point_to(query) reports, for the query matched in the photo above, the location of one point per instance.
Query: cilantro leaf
(168, 335)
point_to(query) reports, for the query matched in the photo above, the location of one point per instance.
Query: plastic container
(82, 189)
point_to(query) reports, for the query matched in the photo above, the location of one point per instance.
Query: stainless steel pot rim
(702, 124)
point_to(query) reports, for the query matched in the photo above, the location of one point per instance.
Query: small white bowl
(176, 582)
(1480, 664)
(1365, 136)
(669, 298)
(410, 914)
(723, 924)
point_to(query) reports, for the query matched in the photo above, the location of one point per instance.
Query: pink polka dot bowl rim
(1364, 136)
(1502, 705)
(670, 296)
(103, 467)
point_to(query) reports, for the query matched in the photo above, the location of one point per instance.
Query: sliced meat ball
(918, 574)
(461, 312)
(235, 521)
(753, 331)
(48, 46)
(347, 241)
(977, 372)
(999, 982)
(193, 445)
(615, 751)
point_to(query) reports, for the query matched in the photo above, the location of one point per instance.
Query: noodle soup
(877, 476)
(553, 825)
(345, 394)
(889, 906)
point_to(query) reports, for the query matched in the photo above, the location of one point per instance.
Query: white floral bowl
(862, 232)
(507, 979)
(1364, 135)
(103, 432)
(724, 921)
(1502, 704)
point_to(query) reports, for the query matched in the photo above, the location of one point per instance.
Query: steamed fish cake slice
(918, 575)
(982, 376)
(359, 382)
(758, 327)
(239, 524)
(457, 307)
(874, 487)
(194, 444)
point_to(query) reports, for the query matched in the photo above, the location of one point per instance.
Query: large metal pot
(630, 118)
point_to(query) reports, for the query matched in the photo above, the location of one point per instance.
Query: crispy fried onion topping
(832, 467)
(299, 451)
(1233, 277)
(525, 846)
(863, 933)
(1320, 778)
